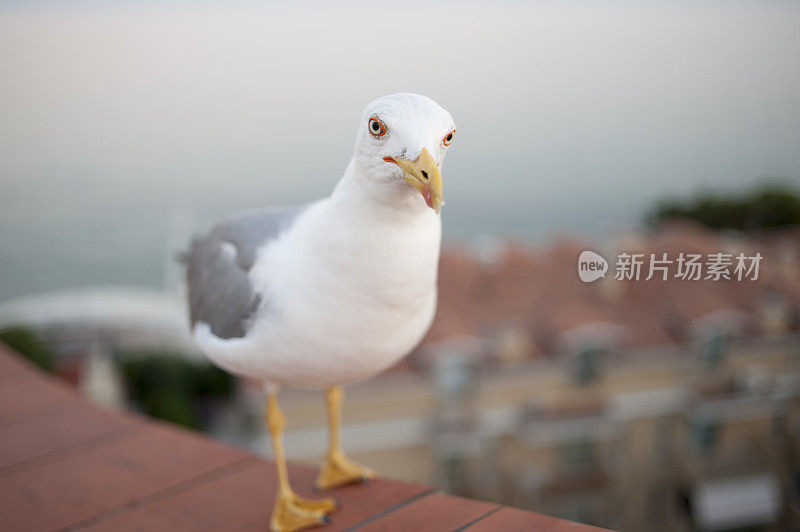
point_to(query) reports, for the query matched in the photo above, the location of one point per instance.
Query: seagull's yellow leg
(337, 469)
(291, 512)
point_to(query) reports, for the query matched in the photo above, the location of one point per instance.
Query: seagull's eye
(448, 138)
(376, 127)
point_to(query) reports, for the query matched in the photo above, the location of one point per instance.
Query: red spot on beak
(426, 193)
(389, 160)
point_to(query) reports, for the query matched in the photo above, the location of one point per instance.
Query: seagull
(331, 292)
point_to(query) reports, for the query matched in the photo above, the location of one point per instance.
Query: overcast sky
(122, 125)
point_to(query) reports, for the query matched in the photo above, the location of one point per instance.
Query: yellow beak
(424, 175)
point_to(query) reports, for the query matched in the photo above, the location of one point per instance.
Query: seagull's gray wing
(217, 266)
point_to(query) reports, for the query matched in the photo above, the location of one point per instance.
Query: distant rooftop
(67, 464)
(537, 290)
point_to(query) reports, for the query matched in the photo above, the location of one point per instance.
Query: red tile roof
(538, 290)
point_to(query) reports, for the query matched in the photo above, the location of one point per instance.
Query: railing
(67, 464)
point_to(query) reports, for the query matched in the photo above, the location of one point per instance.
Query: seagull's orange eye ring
(376, 127)
(448, 138)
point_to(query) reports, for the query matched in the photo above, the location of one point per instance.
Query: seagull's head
(401, 142)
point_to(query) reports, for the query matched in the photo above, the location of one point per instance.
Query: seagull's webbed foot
(296, 513)
(325, 506)
(338, 470)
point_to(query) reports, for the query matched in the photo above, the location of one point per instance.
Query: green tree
(31, 345)
(167, 386)
(767, 206)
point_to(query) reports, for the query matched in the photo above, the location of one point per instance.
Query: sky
(126, 128)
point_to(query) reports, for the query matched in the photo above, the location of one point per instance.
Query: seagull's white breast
(347, 292)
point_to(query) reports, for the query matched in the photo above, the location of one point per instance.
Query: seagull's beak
(424, 175)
